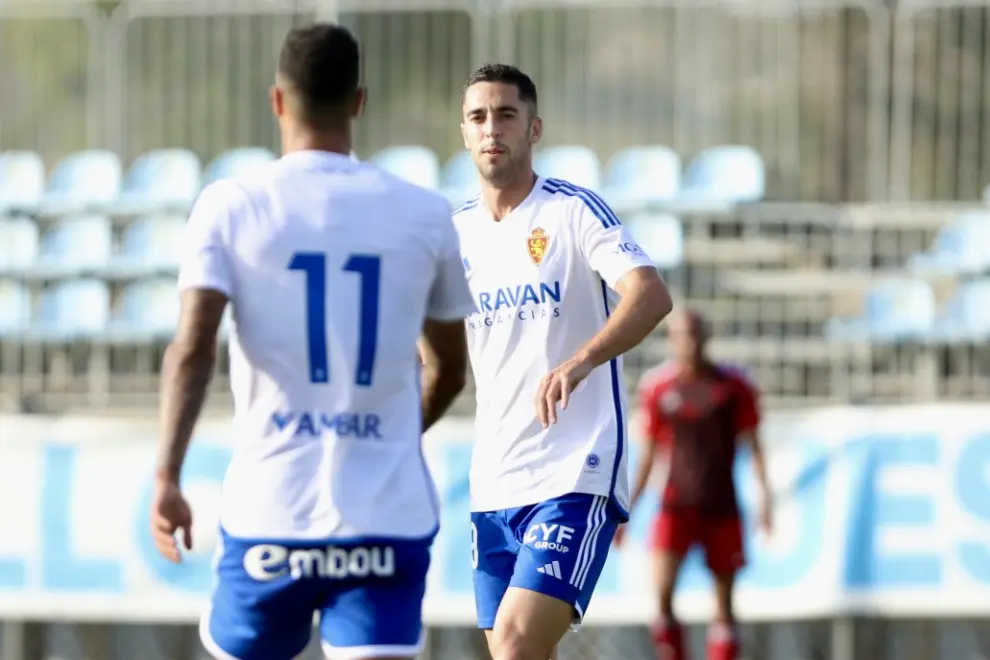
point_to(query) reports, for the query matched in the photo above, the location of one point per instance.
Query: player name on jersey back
(543, 280)
(331, 266)
(363, 426)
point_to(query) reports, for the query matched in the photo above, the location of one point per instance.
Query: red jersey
(698, 418)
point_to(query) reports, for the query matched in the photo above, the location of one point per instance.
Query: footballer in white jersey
(544, 260)
(334, 269)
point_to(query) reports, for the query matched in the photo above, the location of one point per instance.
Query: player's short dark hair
(321, 63)
(507, 75)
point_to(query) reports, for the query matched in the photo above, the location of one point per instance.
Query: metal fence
(847, 101)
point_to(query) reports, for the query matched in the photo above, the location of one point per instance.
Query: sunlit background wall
(811, 174)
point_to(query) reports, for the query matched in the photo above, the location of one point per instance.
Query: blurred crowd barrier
(881, 548)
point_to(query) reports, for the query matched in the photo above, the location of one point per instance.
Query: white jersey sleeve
(606, 244)
(450, 296)
(204, 260)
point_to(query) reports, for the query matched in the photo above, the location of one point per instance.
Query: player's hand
(620, 535)
(170, 513)
(556, 387)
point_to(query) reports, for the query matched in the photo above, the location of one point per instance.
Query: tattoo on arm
(187, 370)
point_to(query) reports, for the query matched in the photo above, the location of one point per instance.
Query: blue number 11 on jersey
(369, 269)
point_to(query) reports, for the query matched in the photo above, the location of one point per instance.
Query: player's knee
(518, 649)
(511, 643)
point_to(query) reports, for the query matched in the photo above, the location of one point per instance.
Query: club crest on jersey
(537, 243)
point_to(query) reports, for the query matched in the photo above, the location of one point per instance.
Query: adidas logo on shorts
(553, 569)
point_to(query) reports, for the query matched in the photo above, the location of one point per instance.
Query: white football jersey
(331, 266)
(543, 283)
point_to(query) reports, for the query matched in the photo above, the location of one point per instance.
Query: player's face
(500, 131)
(687, 337)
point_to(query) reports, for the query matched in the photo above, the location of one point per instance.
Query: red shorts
(721, 538)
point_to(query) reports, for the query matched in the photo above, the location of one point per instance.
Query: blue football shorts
(368, 596)
(557, 548)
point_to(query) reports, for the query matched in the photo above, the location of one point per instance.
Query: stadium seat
(660, 235)
(72, 310)
(83, 181)
(148, 310)
(573, 163)
(961, 247)
(966, 317)
(15, 307)
(18, 244)
(235, 162)
(459, 180)
(73, 245)
(726, 174)
(896, 310)
(415, 164)
(161, 179)
(22, 180)
(151, 243)
(641, 175)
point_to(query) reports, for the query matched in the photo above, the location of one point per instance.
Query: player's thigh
(255, 613)
(565, 542)
(722, 539)
(673, 534)
(493, 561)
(377, 611)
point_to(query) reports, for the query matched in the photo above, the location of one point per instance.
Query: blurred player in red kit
(695, 411)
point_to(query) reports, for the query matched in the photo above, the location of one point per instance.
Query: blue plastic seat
(235, 162)
(83, 181)
(660, 235)
(15, 307)
(415, 164)
(726, 174)
(163, 178)
(641, 175)
(896, 310)
(148, 310)
(150, 243)
(459, 179)
(573, 163)
(961, 247)
(22, 180)
(75, 244)
(72, 310)
(18, 244)
(967, 315)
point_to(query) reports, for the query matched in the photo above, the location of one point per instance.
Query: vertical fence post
(844, 638)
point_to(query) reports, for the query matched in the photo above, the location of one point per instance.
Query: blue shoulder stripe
(595, 204)
(467, 206)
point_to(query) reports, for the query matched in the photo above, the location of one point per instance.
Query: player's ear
(277, 98)
(464, 136)
(360, 98)
(536, 130)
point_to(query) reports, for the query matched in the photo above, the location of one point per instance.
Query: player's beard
(502, 174)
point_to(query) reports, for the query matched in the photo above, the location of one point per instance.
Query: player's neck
(503, 201)
(337, 142)
(695, 368)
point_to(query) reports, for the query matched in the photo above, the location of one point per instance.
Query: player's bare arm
(645, 301)
(187, 369)
(752, 438)
(444, 355)
(644, 470)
